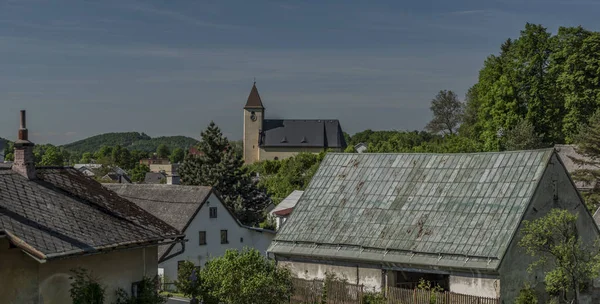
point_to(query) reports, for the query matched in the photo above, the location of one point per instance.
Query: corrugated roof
(414, 208)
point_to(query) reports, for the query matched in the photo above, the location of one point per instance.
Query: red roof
(254, 100)
(284, 212)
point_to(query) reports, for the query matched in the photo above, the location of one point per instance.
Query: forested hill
(130, 140)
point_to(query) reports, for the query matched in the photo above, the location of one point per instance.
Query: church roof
(302, 133)
(254, 100)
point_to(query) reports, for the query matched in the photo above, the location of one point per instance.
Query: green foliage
(147, 293)
(554, 239)
(138, 173)
(281, 177)
(246, 277)
(177, 156)
(526, 296)
(447, 112)
(221, 168)
(433, 290)
(588, 145)
(189, 281)
(86, 158)
(163, 151)
(85, 289)
(373, 298)
(522, 137)
(52, 156)
(131, 141)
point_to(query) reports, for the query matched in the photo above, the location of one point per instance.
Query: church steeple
(254, 101)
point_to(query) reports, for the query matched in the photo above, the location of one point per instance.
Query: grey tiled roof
(456, 210)
(64, 213)
(302, 133)
(175, 204)
(154, 177)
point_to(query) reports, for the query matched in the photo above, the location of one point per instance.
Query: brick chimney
(24, 162)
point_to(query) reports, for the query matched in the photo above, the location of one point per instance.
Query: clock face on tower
(253, 116)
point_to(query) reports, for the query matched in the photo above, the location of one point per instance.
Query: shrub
(147, 293)
(526, 296)
(373, 298)
(85, 289)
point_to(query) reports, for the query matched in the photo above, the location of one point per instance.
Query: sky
(82, 68)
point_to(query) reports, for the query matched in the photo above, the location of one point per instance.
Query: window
(241, 240)
(179, 265)
(213, 212)
(224, 237)
(202, 238)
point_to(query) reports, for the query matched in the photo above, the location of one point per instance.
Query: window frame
(226, 240)
(210, 212)
(200, 238)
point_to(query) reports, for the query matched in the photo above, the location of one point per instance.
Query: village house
(55, 219)
(453, 219)
(284, 209)
(273, 139)
(209, 227)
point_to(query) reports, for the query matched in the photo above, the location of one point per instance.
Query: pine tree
(588, 145)
(220, 167)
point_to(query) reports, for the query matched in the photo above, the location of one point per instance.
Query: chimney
(24, 162)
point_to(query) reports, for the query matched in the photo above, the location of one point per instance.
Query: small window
(202, 238)
(224, 237)
(213, 212)
(241, 240)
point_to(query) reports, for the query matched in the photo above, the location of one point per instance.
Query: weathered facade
(453, 219)
(55, 219)
(273, 139)
(199, 213)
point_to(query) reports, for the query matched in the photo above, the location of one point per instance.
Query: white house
(285, 208)
(198, 212)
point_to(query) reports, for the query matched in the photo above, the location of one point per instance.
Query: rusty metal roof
(454, 210)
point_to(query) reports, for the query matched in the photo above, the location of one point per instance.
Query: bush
(373, 298)
(147, 293)
(526, 296)
(188, 280)
(85, 289)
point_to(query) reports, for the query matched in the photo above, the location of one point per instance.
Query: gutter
(34, 253)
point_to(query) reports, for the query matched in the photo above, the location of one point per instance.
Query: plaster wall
(475, 284)
(238, 238)
(371, 278)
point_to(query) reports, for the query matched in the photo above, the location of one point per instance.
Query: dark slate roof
(451, 210)
(175, 204)
(254, 101)
(64, 213)
(153, 177)
(302, 133)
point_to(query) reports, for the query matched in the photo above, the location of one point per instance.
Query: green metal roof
(454, 210)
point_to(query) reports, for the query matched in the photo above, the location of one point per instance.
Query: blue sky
(82, 68)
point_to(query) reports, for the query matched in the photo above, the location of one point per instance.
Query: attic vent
(304, 140)
(284, 140)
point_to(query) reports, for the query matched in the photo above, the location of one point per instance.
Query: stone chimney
(24, 162)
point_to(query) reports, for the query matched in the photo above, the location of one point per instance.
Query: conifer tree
(220, 167)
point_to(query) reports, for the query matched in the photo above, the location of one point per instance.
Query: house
(54, 219)
(154, 160)
(199, 213)
(453, 219)
(113, 177)
(155, 178)
(361, 148)
(272, 139)
(93, 169)
(283, 210)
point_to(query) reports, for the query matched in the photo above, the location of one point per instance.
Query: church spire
(254, 101)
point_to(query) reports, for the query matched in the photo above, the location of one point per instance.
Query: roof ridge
(441, 153)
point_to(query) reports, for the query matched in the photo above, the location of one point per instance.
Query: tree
(447, 113)
(189, 281)
(588, 146)
(162, 151)
(52, 156)
(86, 289)
(246, 277)
(223, 169)
(177, 156)
(138, 173)
(86, 158)
(522, 137)
(555, 240)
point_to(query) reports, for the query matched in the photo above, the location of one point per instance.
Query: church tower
(254, 113)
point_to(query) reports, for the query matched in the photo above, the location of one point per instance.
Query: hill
(129, 140)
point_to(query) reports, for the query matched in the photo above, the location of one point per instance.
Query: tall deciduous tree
(222, 168)
(447, 113)
(177, 156)
(555, 240)
(52, 156)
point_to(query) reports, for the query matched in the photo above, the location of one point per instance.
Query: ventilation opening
(304, 140)
(284, 140)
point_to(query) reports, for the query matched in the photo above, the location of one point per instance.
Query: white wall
(476, 285)
(200, 254)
